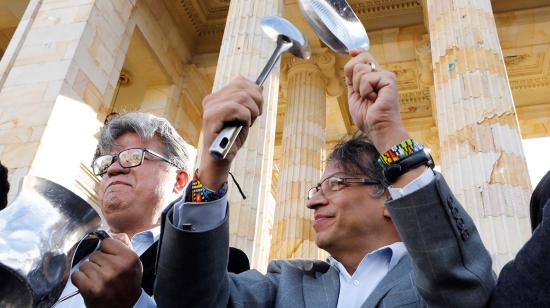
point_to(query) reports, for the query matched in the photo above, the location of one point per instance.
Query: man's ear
(182, 179)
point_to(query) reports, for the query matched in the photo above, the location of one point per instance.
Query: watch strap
(394, 171)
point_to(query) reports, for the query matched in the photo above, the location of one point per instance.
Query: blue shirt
(356, 288)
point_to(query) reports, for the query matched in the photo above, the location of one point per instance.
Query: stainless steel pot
(39, 232)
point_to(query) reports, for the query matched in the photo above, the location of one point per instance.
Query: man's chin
(112, 206)
(322, 240)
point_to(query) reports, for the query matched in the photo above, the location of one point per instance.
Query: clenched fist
(112, 275)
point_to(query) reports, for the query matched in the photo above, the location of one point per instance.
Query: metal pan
(336, 24)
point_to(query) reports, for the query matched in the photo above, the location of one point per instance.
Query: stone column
(481, 151)
(302, 156)
(244, 51)
(57, 87)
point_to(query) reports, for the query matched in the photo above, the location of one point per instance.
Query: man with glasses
(356, 216)
(143, 165)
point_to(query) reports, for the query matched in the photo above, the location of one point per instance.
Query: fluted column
(481, 151)
(244, 51)
(302, 154)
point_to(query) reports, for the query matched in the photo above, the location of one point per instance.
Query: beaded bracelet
(197, 193)
(399, 151)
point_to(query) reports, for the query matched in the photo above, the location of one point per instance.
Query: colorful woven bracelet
(197, 193)
(398, 152)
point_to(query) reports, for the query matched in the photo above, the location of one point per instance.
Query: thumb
(122, 237)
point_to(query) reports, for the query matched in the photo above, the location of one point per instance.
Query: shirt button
(356, 283)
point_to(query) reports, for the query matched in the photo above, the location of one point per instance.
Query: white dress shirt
(140, 243)
(356, 288)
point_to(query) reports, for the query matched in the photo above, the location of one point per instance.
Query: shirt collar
(393, 251)
(141, 241)
(152, 235)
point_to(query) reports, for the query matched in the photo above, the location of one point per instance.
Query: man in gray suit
(444, 263)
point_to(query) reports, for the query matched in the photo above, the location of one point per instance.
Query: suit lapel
(321, 285)
(403, 267)
(149, 259)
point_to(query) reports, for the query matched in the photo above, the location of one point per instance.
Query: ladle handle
(225, 139)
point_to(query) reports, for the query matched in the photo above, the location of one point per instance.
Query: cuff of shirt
(145, 301)
(422, 180)
(201, 216)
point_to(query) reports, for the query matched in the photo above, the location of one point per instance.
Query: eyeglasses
(128, 158)
(336, 183)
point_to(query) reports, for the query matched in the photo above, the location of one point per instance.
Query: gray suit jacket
(449, 267)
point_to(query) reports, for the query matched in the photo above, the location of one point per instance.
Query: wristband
(399, 152)
(197, 193)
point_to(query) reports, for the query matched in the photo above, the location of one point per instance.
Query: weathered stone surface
(481, 152)
(245, 51)
(301, 162)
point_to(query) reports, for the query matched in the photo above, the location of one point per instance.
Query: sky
(537, 153)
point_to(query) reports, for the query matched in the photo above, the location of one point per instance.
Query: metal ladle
(336, 24)
(288, 38)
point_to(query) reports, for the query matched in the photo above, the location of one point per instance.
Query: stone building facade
(474, 80)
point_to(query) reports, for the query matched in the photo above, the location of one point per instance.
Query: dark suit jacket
(450, 267)
(523, 282)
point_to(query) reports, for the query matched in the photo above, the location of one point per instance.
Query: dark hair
(4, 186)
(358, 156)
(540, 197)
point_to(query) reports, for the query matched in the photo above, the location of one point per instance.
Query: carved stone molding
(406, 73)
(530, 83)
(321, 60)
(526, 64)
(424, 60)
(380, 8)
(207, 17)
(416, 104)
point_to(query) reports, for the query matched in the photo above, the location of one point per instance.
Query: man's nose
(115, 168)
(318, 199)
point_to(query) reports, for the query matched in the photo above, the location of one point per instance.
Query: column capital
(323, 62)
(424, 59)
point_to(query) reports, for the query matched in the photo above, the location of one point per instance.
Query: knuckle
(233, 109)
(242, 96)
(206, 100)
(207, 115)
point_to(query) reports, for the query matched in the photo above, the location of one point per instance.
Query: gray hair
(147, 126)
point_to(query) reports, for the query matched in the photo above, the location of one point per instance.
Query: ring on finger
(373, 67)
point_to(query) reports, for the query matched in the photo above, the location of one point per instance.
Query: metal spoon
(288, 38)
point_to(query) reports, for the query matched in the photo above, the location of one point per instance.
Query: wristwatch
(393, 171)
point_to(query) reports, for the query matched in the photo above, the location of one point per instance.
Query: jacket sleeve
(451, 265)
(192, 270)
(192, 266)
(523, 282)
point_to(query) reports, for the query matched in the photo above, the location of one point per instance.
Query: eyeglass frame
(344, 180)
(115, 158)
